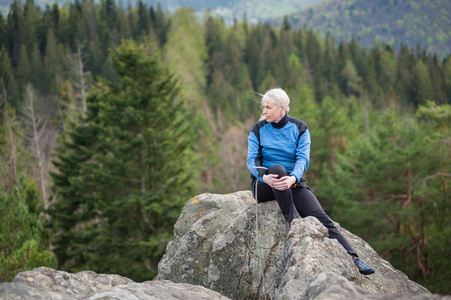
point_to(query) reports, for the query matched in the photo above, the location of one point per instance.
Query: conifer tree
(3, 37)
(8, 142)
(7, 76)
(14, 32)
(391, 188)
(125, 171)
(447, 79)
(421, 84)
(31, 22)
(352, 79)
(53, 64)
(37, 72)
(328, 69)
(23, 66)
(185, 53)
(143, 18)
(160, 23)
(23, 240)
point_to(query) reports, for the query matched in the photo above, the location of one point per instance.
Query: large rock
(217, 252)
(217, 245)
(49, 284)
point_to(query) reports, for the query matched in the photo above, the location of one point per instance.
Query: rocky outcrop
(217, 253)
(216, 245)
(49, 284)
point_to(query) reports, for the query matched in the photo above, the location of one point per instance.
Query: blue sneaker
(364, 268)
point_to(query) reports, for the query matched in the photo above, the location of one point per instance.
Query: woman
(278, 155)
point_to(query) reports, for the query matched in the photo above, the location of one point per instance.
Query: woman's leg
(284, 198)
(307, 205)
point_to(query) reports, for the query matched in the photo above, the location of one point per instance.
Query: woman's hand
(270, 179)
(281, 184)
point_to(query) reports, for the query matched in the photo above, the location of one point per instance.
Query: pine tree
(421, 84)
(185, 53)
(391, 188)
(53, 64)
(37, 72)
(125, 171)
(447, 78)
(328, 69)
(7, 77)
(14, 31)
(352, 79)
(143, 18)
(23, 66)
(161, 24)
(23, 240)
(3, 37)
(31, 22)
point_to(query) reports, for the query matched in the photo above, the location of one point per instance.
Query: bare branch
(434, 176)
(36, 139)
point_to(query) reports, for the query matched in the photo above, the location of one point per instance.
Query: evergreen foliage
(23, 239)
(389, 187)
(379, 120)
(24, 242)
(398, 23)
(124, 171)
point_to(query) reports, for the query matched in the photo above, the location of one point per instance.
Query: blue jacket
(285, 143)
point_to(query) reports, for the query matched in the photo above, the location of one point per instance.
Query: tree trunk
(82, 79)
(36, 144)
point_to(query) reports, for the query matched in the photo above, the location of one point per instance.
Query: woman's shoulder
(260, 123)
(298, 122)
(257, 126)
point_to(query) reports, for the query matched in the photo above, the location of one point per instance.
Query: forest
(395, 22)
(113, 117)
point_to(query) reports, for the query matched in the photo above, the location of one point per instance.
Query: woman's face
(272, 112)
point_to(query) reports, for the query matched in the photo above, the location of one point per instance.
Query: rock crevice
(298, 262)
(217, 254)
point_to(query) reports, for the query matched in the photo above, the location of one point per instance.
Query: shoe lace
(361, 264)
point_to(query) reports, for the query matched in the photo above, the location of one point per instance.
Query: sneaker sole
(367, 272)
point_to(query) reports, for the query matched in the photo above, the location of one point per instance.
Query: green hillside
(254, 9)
(409, 22)
(112, 117)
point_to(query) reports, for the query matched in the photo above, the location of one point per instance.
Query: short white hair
(278, 96)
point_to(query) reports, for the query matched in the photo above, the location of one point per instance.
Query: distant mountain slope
(257, 10)
(409, 22)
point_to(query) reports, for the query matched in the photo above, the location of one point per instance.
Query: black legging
(296, 202)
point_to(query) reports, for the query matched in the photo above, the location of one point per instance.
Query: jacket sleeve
(302, 155)
(254, 157)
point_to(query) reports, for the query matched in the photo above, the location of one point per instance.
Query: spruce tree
(125, 171)
(23, 239)
(391, 187)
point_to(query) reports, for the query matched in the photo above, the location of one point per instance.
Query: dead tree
(36, 127)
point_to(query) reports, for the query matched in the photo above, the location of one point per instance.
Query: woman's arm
(254, 156)
(302, 156)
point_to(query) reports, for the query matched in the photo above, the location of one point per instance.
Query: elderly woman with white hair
(278, 155)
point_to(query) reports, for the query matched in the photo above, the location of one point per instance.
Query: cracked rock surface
(216, 245)
(217, 253)
(49, 284)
